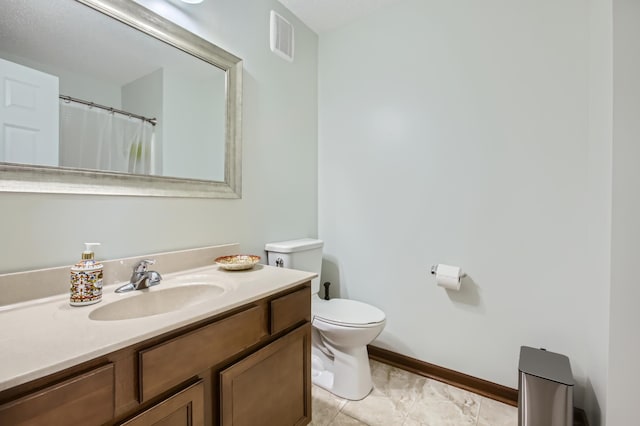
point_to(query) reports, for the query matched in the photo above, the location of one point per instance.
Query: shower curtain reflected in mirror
(95, 138)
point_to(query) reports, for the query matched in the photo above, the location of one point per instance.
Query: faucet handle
(142, 265)
(153, 278)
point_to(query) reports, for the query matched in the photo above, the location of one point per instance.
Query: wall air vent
(281, 40)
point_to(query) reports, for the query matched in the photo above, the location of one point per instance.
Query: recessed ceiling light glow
(193, 1)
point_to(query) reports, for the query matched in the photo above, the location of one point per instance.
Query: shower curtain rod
(65, 98)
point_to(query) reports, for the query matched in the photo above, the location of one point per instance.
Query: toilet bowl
(341, 328)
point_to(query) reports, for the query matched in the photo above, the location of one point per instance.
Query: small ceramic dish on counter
(237, 262)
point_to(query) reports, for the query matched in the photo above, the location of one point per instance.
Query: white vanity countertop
(47, 335)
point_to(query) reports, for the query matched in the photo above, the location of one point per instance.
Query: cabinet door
(271, 387)
(186, 408)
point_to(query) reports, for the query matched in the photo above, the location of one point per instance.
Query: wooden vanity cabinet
(250, 366)
(271, 386)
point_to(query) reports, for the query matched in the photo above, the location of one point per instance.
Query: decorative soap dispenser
(86, 279)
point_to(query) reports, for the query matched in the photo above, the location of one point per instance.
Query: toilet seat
(347, 313)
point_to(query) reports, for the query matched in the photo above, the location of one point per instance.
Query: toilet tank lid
(292, 246)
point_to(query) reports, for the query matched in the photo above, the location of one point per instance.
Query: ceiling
(73, 37)
(325, 15)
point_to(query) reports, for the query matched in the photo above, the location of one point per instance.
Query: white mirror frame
(43, 179)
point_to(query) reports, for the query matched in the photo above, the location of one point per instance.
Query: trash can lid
(546, 365)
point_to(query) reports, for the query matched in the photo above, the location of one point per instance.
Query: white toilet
(342, 328)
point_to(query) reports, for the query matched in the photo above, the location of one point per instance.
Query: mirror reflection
(86, 91)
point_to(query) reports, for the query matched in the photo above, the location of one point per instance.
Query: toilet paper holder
(434, 270)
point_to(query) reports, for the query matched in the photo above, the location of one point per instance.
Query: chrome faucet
(141, 278)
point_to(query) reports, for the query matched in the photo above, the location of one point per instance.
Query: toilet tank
(304, 254)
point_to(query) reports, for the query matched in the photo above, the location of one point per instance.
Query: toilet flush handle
(326, 290)
(279, 263)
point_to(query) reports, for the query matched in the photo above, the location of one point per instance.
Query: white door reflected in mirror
(28, 115)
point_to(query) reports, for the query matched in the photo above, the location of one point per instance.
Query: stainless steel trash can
(545, 385)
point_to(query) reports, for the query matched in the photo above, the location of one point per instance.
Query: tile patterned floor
(400, 398)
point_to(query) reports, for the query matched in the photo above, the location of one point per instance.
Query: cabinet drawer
(290, 309)
(86, 399)
(170, 363)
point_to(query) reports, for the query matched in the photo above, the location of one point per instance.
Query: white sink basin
(156, 301)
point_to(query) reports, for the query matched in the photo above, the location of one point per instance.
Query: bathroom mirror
(172, 100)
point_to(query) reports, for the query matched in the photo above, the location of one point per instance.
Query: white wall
(596, 327)
(144, 96)
(457, 132)
(279, 163)
(194, 125)
(624, 345)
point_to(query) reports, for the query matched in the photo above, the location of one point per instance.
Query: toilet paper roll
(448, 276)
